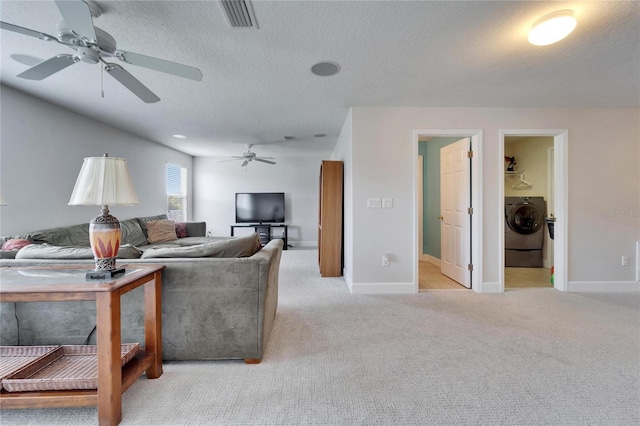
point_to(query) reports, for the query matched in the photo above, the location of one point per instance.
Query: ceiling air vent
(239, 13)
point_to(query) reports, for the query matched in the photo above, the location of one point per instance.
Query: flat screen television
(260, 207)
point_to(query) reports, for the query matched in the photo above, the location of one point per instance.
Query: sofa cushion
(181, 230)
(74, 235)
(161, 230)
(234, 247)
(143, 222)
(129, 251)
(132, 233)
(48, 251)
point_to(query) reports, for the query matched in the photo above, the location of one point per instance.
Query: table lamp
(104, 181)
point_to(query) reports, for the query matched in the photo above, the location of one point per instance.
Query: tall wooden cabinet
(330, 219)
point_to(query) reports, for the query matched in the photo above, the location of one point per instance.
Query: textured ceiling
(257, 84)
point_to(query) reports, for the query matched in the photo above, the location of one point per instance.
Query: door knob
(441, 217)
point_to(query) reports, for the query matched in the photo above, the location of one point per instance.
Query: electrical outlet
(625, 260)
(374, 203)
(385, 260)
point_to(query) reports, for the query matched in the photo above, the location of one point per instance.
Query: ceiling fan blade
(159, 65)
(244, 163)
(131, 83)
(77, 15)
(26, 59)
(48, 67)
(232, 159)
(27, 31)
(262, 160)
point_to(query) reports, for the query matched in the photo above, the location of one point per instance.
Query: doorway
(528, 207)
(535, 180)
(428, 223)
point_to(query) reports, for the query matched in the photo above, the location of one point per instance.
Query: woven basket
(65, 368)
(13, 358)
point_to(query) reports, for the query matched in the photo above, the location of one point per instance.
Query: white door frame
(560, 201)
(476, 200)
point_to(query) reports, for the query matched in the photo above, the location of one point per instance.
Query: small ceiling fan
(248, 157)
(93, 45)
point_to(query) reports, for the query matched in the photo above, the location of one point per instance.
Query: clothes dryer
(524, 231)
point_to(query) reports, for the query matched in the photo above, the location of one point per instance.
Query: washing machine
(524, 231)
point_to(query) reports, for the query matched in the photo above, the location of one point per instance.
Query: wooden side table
(67, 283)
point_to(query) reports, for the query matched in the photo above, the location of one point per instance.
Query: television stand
(265, 231)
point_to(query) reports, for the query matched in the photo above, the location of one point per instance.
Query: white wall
(603, 180)
(531, 158)
(217, 183)
(42, 147)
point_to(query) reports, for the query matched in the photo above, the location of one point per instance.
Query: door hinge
(470, 267)
(469, 154)
(470, 210)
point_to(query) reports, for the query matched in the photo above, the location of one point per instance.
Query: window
(176, 192)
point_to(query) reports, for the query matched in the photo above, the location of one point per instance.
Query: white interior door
(455, 221)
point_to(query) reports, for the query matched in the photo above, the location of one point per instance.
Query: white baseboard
(607, 286)
(348, 280)
(382, 288)
(430, 259)
(493, 287)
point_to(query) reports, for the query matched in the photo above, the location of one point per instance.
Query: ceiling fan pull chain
(102, 81)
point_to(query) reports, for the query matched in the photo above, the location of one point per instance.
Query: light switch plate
(387, 203)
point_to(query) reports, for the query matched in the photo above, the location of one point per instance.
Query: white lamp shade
(104, 181)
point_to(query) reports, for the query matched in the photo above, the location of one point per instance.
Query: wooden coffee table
(68, 283)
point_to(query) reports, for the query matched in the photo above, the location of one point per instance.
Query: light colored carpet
(525, 357)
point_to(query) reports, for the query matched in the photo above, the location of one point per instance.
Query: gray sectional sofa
(219, 295)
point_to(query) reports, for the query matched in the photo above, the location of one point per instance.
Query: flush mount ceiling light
(552, 28)
(179, 136)
(325, 69)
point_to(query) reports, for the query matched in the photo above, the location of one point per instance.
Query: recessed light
(179, 136)
(325, 69)
(320, 135)
(552, 28)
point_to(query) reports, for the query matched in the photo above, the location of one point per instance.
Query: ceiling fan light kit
(94, 45)
(552, 28)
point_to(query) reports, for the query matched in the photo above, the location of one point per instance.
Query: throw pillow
(161, 230)
(181, 229)
(196, 229)
(143, 222)
(15, 244)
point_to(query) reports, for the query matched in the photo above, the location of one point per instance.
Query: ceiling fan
(248, 157)
(93, 45)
